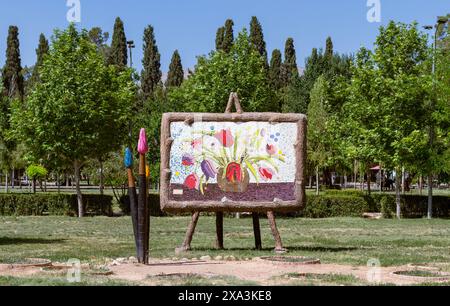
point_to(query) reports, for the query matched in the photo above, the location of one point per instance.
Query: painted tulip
(225, 138)
(271, 149)
(266, 173)
(188, 160)
(192, 182)
(234, 173)
(208, 169)
(128, 159)
(142, 145)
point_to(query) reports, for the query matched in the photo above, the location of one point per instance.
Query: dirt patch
(260, 271)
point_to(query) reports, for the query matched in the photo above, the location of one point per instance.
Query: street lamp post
(131, 46)
(440, 21)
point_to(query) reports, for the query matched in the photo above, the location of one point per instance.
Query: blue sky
(190, 26)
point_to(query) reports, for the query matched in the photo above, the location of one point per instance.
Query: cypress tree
(118, 54)
(41, 50)
(151, 73)
(176, 74)
(228, 39)
(290, 68)
(329, 50)
(275, 70)
(13, 81)
(220, 35)
(257, 38)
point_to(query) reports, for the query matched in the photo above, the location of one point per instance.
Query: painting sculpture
(233, 162)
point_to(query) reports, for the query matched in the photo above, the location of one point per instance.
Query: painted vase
(233, 179)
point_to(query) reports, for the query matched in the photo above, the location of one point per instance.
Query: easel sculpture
(230, 194)
(139, 202)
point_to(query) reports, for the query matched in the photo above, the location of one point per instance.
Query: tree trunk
(34, 185)
(397, 193)
(77, 168)
(58, 183)
(420, 184)
(310, 182)
(13, 178)
(102, 183)
(355, 172)
(403, 180)
(369, 177)
(430, 197)
(6, 182)
(345, 181)
(317, 181)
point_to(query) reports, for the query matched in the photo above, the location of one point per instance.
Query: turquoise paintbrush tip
(128, 159)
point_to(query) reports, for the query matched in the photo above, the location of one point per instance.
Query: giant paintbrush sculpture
(143, 211)
(128, 161)
(138, 202)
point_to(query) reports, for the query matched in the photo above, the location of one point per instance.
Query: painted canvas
(233, 162)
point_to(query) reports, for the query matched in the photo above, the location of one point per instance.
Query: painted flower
(197, 144)
(225, 138)
(208, 169)
(271, 149)
(266, 173)
(192, 182)
(142, 144)
(188, 160)
(234, 173)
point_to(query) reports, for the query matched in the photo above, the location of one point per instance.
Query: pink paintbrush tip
(142, 145)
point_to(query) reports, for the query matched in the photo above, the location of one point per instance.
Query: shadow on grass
(10, 241)
(289, 248)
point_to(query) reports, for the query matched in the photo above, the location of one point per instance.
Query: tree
(118, 54)
(290, 68)
(80, 108)
(329, 52)
(13, 83)
(151, 73)
(100, 39)
(220, 35)
(275, 70)
(257, 38)
(388, 98)
(317, 126)
(41, 51)
(175, 76)
(36, 172)
(228, 38)
(242, 71)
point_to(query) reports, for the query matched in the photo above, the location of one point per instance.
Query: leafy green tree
(175, 76)
(318, 118)
(13, 83)
(257, 38)
(100, 39)
(228, 38)
(118, 54)
(216, 76)
(36, 172)
(388, 98)
(80, 108)
(151, 73)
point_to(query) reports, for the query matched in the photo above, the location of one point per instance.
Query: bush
(329, 206)
(388, 207)
(154, 205)
(18, 204)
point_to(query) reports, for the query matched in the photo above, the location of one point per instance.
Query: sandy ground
(258, 270)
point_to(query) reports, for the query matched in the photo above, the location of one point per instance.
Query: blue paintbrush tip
(128, 159)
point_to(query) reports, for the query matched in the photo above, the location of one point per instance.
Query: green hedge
(39, 204)
(347, 204)
(153, 204)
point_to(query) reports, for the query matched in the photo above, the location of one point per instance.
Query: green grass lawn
(341, 240)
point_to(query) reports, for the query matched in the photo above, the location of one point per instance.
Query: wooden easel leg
(219, 230)
(276, 235)
(257, 231)
(186, 246)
